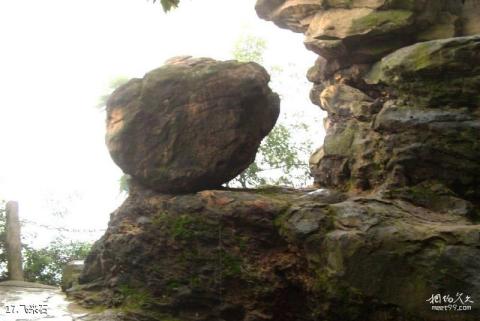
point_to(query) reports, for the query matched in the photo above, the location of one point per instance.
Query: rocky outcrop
(274, 254)
(192, 124)
(399, 81)
(438, 74)
(71, 273)
(362, 31)
(392, 235)
(412, 118)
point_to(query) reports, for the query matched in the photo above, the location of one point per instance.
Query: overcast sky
(58, 56)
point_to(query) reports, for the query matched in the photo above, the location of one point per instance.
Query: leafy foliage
(124, 183)
(45, 265)
(249, 48)
(278, 160)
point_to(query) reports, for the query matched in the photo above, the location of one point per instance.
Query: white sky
(58, 56)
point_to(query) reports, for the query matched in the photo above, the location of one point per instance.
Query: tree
(249, 48)
(279, 158)
(124, 183)
(45, 265)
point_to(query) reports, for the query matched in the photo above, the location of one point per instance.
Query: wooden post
(13, 243)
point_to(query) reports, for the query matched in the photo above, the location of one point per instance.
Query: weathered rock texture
(192, 124)
(397, 225)
(70, 274)
(400, 81)
(362, 31)
(280, 255)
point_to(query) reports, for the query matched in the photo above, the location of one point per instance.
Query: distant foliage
(45, 265)
(277, 162)
(124, 183)
(249, 48)
(279, 158)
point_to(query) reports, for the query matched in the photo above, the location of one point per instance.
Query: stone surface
(434, 73)
(345, 101)
(400, 83)
(395, 224)
(16, 299)
(295, 14)
(422, 124)
(362, 31)
(192, 124)
(337, 32)
(470, 14)
(403, 131)
(282, 255)
(71, 273)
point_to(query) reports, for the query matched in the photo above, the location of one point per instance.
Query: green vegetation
(282, 156)
(249, 48)
(231, 265)
(123, 182)
(43, 265)
(341, 143)
(135, 298)
(280, 159)
(184, 227)
(181, 227)
(139, 302)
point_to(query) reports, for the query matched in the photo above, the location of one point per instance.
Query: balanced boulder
(193, 124)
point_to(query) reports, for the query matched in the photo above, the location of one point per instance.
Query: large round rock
(192, 124)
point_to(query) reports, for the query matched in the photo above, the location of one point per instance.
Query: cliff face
(282, 255)
(400, 82)
(392, 235)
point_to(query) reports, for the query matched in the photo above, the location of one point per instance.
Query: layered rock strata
(400, 82)
(396, 234)
(280, 255)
